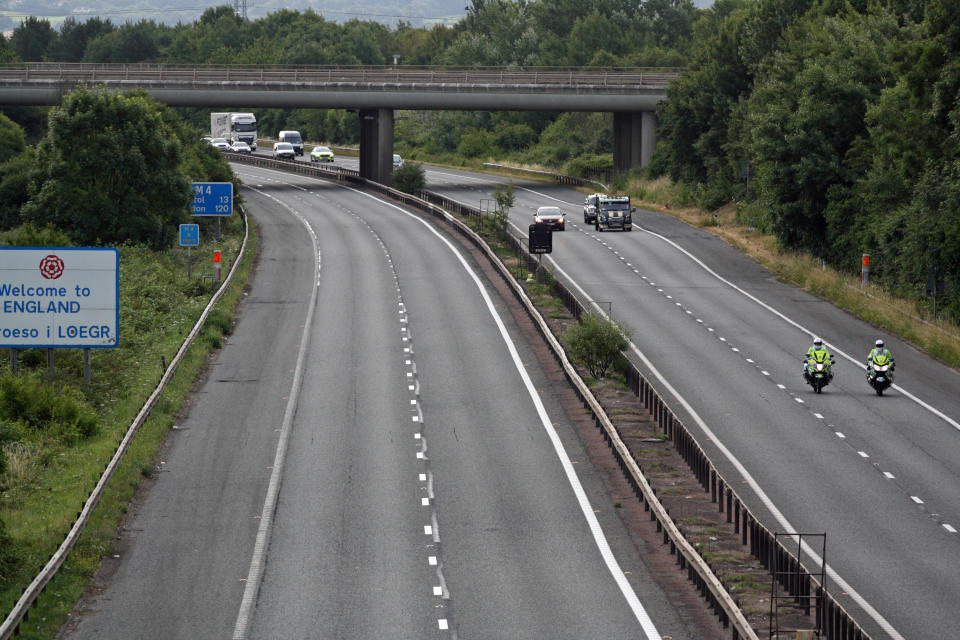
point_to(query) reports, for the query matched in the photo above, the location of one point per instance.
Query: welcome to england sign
(59, 297)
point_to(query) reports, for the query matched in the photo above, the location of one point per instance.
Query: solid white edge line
(748, 478)
(255, 574)
(599, 538)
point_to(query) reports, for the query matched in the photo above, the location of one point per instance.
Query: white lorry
(234, 127)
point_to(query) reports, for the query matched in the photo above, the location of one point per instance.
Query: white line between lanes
(586, 508)
(255, 574)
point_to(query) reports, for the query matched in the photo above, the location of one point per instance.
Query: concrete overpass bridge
(374, 92)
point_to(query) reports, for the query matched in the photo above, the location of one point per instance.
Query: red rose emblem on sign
(51, 267)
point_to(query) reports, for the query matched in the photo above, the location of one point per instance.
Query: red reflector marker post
(216, 265)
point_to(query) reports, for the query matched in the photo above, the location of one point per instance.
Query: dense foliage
(494, 32)
(833, 124)
(837, 127)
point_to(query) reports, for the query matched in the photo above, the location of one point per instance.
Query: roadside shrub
(9, 558)
(409, 178)
(62, 413)
(220, 320)
(27, 235)
(754, 214)
(8, 433)
(590, 165)
(596, 343)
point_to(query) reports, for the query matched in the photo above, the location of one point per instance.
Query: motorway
(375, 453)
(722, 340)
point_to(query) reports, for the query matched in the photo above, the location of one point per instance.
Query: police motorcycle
(880, 373)
(818, 370)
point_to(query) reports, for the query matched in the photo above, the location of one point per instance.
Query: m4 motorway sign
(212, 199)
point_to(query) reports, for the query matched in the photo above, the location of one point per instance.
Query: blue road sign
(189, 235)
(212, 199)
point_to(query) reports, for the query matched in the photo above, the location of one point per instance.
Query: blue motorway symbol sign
(212, 199)
(189, 235)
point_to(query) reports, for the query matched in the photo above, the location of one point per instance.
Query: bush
(409, 178)
(590, 165)
(477, 142)
(62, 413)
(28, 235)
(596, 343)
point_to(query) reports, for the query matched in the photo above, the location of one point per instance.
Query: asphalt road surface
(723, 340)
(374, 454)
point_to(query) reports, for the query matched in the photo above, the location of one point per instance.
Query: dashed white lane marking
(863, 454)
(949, 528)
(438, 591)
(884, 624)
(916, 499)
(818, 416)
(888, 475)
(840, 435)
(766, 373)
(800, 400)
(780, 386)
(443, 623)
(639, 612)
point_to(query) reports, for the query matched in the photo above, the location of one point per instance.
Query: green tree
(32, 38)
(477, 142)
(140, 42)
(7, 54)
(696, 120)
(109, 170)
(74, 37)
(807, 113)
(14, 177)
(12, 139)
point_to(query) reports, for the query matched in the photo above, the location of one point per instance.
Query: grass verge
(44, 491)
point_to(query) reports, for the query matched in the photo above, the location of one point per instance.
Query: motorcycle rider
(879, 350)
(812, 353)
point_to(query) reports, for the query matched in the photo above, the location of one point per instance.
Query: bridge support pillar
(634, 139)
(376, 145)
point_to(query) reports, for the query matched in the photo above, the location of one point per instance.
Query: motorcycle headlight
(884, 367)
(819, 366)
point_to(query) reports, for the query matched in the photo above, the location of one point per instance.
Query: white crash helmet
(818, 342)
(879, 344)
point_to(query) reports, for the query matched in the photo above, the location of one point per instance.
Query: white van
(293, 137)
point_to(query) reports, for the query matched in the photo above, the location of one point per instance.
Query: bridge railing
(590, 76)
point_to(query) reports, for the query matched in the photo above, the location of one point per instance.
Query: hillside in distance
(414, 12)
(417, 13)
